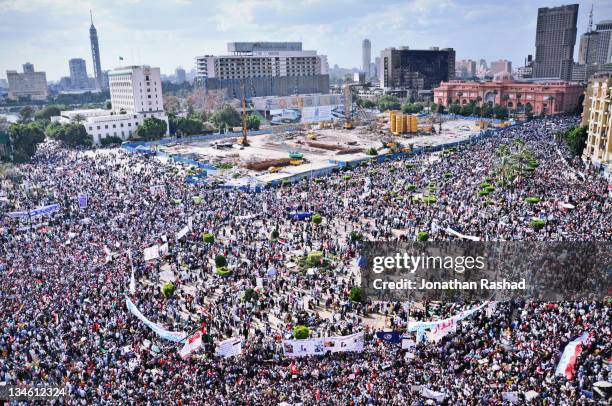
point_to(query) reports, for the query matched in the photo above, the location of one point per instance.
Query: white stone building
(136, 95)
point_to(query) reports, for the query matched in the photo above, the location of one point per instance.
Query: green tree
(109, 105)
(225, 117)
(454, 108)
(24, 139)
(487, 111)
(189, 126)
(54, 130)
(253, 122)
(52, 110)
(467, 109)
(500, 112)
(411, 108)
(75, 134)
(26, 114)
(388, 102)
(576, 138)
(78, 118)
(365, 103)
(152, 129)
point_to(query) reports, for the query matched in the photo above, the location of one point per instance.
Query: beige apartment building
(597, 114)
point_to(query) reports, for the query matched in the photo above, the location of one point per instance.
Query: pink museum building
(544, 97)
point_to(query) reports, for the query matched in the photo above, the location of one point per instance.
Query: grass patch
(422, 236)
(537, 224)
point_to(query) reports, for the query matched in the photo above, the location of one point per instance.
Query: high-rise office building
(555, 40)
(264, 69)
(587, 50)
(366, 57)
(604, 42)
(78, 74)
(29, 84)
(95, 54)
(413, 70)
(180, 75)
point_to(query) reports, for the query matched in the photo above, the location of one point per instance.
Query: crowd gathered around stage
(66, 275)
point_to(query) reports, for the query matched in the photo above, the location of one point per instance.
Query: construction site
(291, 151)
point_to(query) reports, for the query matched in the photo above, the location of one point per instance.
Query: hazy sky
(168, 33)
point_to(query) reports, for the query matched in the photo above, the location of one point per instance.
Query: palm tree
(78, 118)
(521, 157)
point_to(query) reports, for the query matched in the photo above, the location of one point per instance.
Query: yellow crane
(243, 140)
(348, 107)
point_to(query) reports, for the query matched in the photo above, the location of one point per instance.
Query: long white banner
(157, 329)
(443, 324)
(318, 346)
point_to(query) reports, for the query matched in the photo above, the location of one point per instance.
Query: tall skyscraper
(415, 70)
(78, 74)
(180, 75)
(587, 51)
(604, 42)
(555, 40)
(366, 57)
(95, 54)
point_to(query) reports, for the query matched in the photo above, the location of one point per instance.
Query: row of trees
(488, 110)
(224, 118)
(576, 139)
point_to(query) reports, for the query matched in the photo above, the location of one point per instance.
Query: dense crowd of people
(66, 275)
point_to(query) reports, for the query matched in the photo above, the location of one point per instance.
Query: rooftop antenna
(91, 15)
(591, 19)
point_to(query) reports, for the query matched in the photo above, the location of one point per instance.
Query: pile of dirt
(328, 147)
(267, 164)
(349, 151)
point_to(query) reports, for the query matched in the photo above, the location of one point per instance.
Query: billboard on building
(315, 114)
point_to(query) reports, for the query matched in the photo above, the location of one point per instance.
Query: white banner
(163, 250)
(229, 348)
(428, 325)
(317, 346)
(408, 344)
(194, 342)
(430, 394)
(182, 233)
(442, 329)
(157, 329)
(458, 234)
(151, 253)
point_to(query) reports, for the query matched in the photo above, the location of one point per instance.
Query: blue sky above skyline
(168, 33)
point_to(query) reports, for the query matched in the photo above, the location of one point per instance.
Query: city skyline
(50, 32)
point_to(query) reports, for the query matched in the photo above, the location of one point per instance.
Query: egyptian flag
(570, 354)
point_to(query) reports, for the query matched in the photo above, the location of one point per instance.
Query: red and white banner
(570, 355)
(193, 343)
